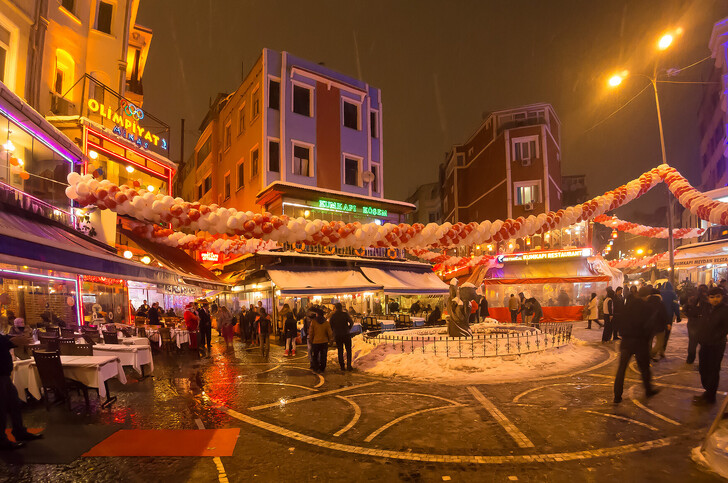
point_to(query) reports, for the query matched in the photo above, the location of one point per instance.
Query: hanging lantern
(615, 233)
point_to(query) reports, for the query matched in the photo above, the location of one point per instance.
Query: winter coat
(264, 325)
(341, 324)
(205, 320)
(536, 310)
(608, 306)
(224, 319)
(713, 327)
(513, 304)
(191, 320)
(320, 331)
(483, 304)
(592, 309)
(434, 317)
(696, 309)
(634, 322)
(669, 300)
(658, 315)
(290, 328)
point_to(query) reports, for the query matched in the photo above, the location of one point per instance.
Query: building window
(528, 192)
(204, 152)
(274, 156)
(375, 181)
(241, 119)
(199, 191)
(302, 100)
(228, 134)
(241, 174)
(104, 16)
(302, 160)
(351, 171)
(4, 51)
(69, 5)
(254, 163)
(274, 94)
(351, 115)
(373, 124)
(227, 186)
(208, 184)
(255, 99)
(525, 149)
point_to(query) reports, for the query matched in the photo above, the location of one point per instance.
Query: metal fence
(508, 340)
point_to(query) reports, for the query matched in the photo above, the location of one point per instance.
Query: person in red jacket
(191, 321)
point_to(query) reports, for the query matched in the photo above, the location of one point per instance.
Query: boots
(285, 353)
(294, 352)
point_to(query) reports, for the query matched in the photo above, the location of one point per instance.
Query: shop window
(254, 163)
(373, 124)
(274, 94)
(302, 160)
(104, 17)
(204, 152)
(241, 119)
(351, 115)
(227, 186)
(274, 156)
(528, 192)
(241, 174)
(351, 171)
(302, 100)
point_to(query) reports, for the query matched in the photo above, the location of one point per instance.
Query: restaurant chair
(166, 335)
(127, 331)
(141, 332)
(50, 341)
(81, 350)
(67, 333)
(64, 343)
(111, 337)
(53, 380)
(89, 339)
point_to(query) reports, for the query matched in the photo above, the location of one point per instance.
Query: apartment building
(428, 203)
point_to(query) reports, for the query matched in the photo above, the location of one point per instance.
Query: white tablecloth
(179, 336)
(26, 377)
(93, 371)
(139, 341)
(129, 355)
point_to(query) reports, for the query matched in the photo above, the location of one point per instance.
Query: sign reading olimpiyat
(127, 123)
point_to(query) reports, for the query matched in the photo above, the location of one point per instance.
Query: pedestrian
(435, 316)
(608, 311)
(535, 310)
(205, 328)
(143, 309)
(225, 323)
(290, 332)
(526, 312)
(618, 308)
(249, 324)
(9, 401)
(153, 314)
(415, 308)
(310, 315)
(473, 312)
(635, 329)
(513, 306)
(282, 316)
(191, 322)
(320, 335)
(213, 309)
(592, 311)
(696, 308)
(632, 293)
(711, 337)
(672, 307)
(483, 304)
(341, 325)
(660, 322)
(265, 327)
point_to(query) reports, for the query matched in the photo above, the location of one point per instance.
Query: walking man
(265, 327)
(320, 335)
(608, 311)
(341, 325)
(205, 329)
(711, 336)
(513, 306)
(635, 330)
(696, 310)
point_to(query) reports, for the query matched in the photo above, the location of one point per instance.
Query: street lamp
(663, 44)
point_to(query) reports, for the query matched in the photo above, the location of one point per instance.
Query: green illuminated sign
(338, 206)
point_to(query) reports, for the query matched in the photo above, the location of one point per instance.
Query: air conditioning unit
(525, 162)
(528, 206)
(61, 106)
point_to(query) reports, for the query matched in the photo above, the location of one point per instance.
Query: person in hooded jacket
(320, 334)
(635, 328)
(536, 311)
(660, 321)
(341, 325)
(712, 334)
(670, 301)
(696, 310)
(265, 329)
(290, 332)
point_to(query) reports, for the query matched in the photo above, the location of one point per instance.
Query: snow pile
(715, 454)
(388, 361)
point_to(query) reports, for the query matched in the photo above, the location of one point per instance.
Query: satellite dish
(367, 176)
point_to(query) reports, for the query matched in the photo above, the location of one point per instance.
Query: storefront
(700, 263)
(104, 298)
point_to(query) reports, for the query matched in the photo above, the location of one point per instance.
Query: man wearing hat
(635, 327)
(205, 327)
(712, 333)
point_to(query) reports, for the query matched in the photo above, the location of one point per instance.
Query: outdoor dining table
(25, 377)
(387, 324)
(139, 341)
(136, 356)
(179, 336)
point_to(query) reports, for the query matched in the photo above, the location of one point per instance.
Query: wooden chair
(50, 341)
(80, 350)
(166, 335)
(111, 337)
(127, 331)
(141, 332)
(66, 333)
(89, 339)
(64, 343)
(53, 380)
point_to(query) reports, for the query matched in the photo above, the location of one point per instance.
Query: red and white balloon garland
(638, 262)
(440, 260)
(644, 230)
(202, 241)
(158, 208)
(700, 205)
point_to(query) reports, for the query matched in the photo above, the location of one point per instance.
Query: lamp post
(662, 44)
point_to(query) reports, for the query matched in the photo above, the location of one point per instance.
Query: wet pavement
(296, 425)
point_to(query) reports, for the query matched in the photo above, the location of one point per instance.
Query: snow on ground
(391, 361)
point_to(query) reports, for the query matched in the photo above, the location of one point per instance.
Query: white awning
(697, 254)
(321, 282)
(406, 282)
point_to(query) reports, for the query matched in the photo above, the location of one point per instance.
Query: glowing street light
(615, 80)
(665, 41)
(128, 254)
(640, 251)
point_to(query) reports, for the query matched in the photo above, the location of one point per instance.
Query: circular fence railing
(489, 340)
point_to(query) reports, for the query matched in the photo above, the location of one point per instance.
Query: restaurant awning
(320, 282)
(694, 255)
(406, 282)
(32, 240)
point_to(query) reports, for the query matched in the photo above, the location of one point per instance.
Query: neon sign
(103, 280)
(210, 257)
(338, 206)
(517, 257)
(127, 123)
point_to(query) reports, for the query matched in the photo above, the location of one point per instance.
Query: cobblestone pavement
(297, 425)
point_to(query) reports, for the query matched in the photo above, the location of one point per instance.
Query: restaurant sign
(178, 290)
(549, 255)
(212, 257)
(127, 123)
(338, 206)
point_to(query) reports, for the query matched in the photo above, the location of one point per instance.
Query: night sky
(442, 64)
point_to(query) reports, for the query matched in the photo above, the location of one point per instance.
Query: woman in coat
(225, 324)
(290, 332)
(592, 309)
